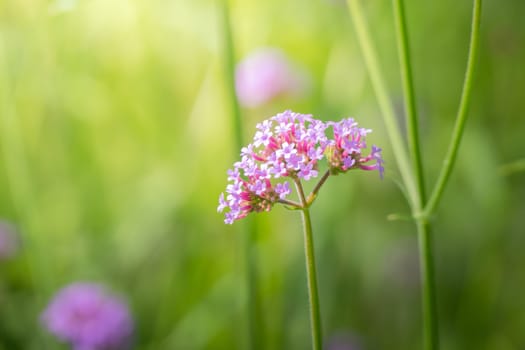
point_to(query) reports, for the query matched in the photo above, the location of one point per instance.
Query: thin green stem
(300, 192)
(387, 110)
(254, 308)
(248, 230)
(290, 203)
(415, 189)
(450, 158)
(313, 294)
(409, 95)
(430, 328)
(313, 195)
(229, 66)
(428, 300)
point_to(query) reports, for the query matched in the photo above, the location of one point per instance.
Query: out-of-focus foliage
(115, 141)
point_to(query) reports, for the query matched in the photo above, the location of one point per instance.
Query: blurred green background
(115, 138)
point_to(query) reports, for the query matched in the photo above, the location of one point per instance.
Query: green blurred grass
(114, 142)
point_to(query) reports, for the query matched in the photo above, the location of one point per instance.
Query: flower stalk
(312, 196)
(413, 179)
(311, 274)
(428, 289)
(313, 294)
(288, 148)
(405, 66)
(248, 231)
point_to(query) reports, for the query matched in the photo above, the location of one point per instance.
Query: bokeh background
(115, 138)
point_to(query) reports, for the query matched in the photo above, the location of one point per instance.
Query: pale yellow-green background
(115, 138)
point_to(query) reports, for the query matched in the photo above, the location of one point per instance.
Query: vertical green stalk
(450, 158)
(313, 295)
(428, 291)
(417, 195)
(428, 288)
(415, 189)
(248, 230)
(387, 110)
(229, 66)
(254, 308)
(405, 64)
(311, 274)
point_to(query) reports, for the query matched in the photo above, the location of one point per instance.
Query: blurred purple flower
(9, 241)
(267, 74)
(87, 317)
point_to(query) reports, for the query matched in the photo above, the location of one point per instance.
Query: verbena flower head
(345, 149)
(264, 75)
(289, 146)
(87, 317)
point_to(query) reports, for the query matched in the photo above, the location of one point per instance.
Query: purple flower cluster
(87, 317)
(344, 151)
(290, 145)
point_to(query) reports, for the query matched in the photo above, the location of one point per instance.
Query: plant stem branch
(450, 158)
(313, 294)
(290, 203)
(300, 192)
(313, 195)
(410, 102)
(387, 110)
(428, 300)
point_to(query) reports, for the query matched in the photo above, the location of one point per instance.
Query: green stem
(248, 230)
(229, 56)
(430, 322)
(430, 329)
(450, 158)
(300, 192)
(387, 110)
(415, 190)
(408, 92)
(254, 308)
(313, 195)
(290, 203)
(313, 295)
